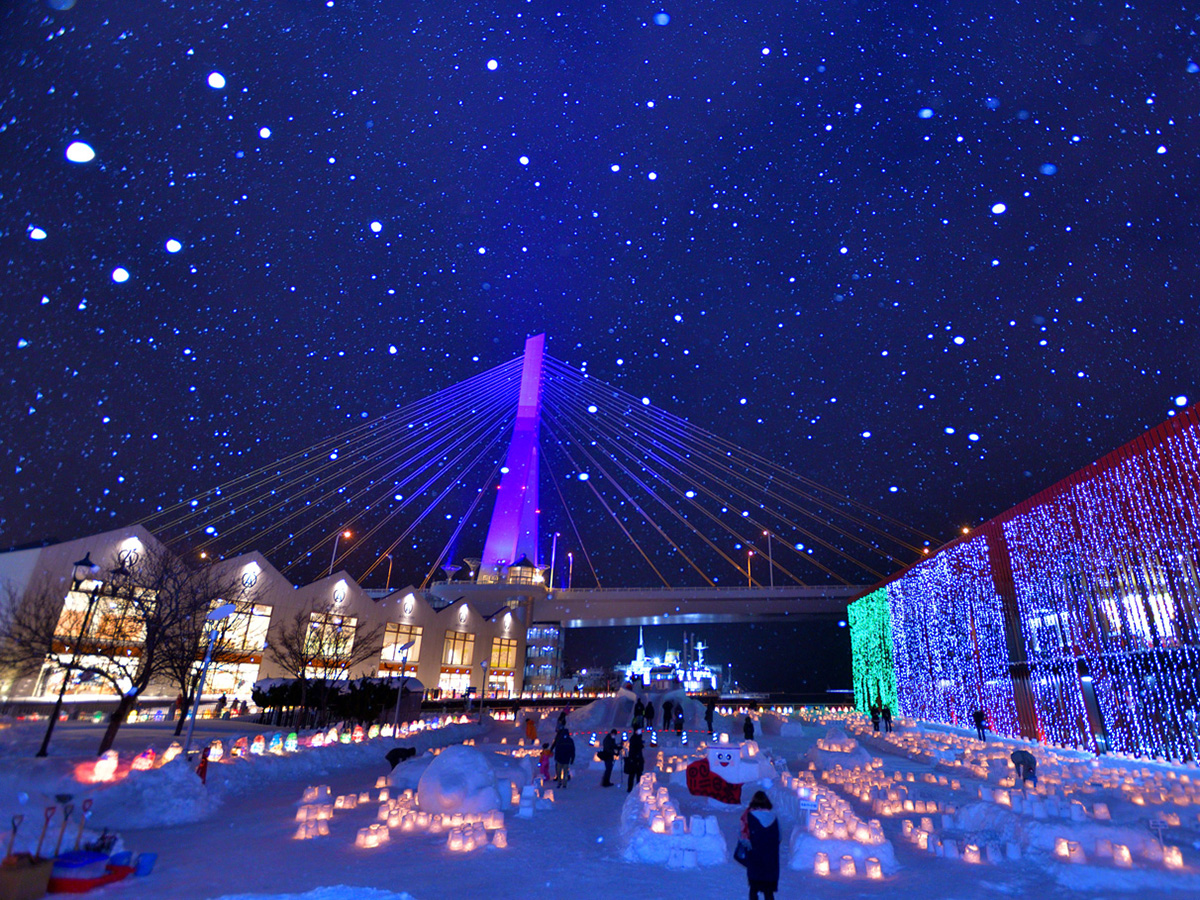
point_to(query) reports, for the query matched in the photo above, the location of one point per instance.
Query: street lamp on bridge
(770, 556)
(749, 560)
(337, 537)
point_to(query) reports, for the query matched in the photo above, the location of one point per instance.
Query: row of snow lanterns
(834, 820)
(464, 831)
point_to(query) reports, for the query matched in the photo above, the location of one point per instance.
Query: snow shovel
(12, 839)
(67, 810)
(50, 811)
(87, 814)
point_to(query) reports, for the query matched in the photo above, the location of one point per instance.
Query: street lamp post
(770, 557)
(76, 581)
(483, 692)
(337, 537)
(404, 648)
(221, 612)
(749, 560)
(553, 552)
(570, 568)
(389, 578)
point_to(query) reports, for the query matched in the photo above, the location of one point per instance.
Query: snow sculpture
(259, 745)
(106, 767)
(144, 760)
(721, 774)
(459, 779)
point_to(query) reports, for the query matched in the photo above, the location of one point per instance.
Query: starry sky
(935, 256)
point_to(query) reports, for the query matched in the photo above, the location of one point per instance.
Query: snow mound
(682, 843)
(333, 892)
(805, 846)
(459, 779)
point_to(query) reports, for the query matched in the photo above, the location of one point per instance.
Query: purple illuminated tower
(513, 531)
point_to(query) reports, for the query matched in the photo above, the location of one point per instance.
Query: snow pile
(333, 892)
(597, 717)
(458, 780)
(173, 794)
(834, 839)
(655, 833)
(837, 749)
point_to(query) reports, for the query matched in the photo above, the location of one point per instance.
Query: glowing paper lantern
(215, 751)
(358, 734)
(821, 864)
(106, 767)
(144, 760)
(275, 746)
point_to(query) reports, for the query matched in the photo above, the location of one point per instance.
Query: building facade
(452, 637)
(1072, 618)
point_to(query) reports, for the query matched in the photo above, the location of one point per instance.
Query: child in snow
(544, 762)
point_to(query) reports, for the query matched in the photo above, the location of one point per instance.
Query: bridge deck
(578, 608)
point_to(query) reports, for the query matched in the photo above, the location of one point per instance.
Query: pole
(483, 691)
(553, 553)
(570, 568)
(389, 578)
(337, 537)
(187, 745)
(404, 648)
(770, 557)
(749, 560)
(86, 562)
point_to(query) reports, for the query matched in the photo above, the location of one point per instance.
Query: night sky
(935, 256)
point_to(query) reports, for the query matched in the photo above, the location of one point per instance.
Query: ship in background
(685, 668)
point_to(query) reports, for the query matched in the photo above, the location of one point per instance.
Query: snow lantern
(372, 732)
(821, 863)
(332, 736)
(291, 743)
(874, 869)
(1121, 856)
(1100, 812)
(455, 840)
(276, 744)
(358, 734)
(239, 748)
(215, 751)
(846, 868)
(1172, 857)
(317, 740)
(971, 853)
(344, 737)
(171, 752)
(259, 745)
(144, 760)
(106, 767)
(500, 839)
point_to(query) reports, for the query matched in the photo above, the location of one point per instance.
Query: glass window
(330, 635)
(504, 653)
(396, 636)
(459, 649)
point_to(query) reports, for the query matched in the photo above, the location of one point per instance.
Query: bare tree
(319, 642)
(28, 624)
(148, 611)
(184, 646)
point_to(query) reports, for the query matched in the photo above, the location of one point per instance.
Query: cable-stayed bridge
(535, 476)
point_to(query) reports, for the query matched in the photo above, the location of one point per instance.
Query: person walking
(530, 726)
(875, 714)
(649, 714)
(608, 755)
(710, 710)
(544, 762)
(748, 728)
(887, 718)
(564, 758)
(760, 829)
(668, 709)
(639, 715)
(635, 762)
(979, 718)
(679, 717)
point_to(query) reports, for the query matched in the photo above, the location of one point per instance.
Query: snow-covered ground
(871, 797)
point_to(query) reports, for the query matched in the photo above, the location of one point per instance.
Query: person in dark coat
(760, 828)
(679, 717)
(635, 762)
(875, 714)
(668, 714)
(649, 716)
(980, 718)
(1026, 764)
(748, 728)
(887, 718)
(608, 754)
(639, 715)
(564, 756)
(710, 710)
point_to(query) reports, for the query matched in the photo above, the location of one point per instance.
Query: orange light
(203, 555)
(966, 531)
(346, 534)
